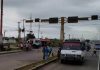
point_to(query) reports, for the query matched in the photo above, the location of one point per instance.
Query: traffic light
(53, 20)
(37, 19)
(94, 17)
(30, 36)
(29, 21)
(23, 29)
(44, 20)
(73, 19)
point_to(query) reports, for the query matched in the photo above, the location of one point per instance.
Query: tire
(82, 60)
(62, 61)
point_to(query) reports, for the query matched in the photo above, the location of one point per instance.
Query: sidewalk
(7, 52)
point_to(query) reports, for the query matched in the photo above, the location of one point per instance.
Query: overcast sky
(16, 10)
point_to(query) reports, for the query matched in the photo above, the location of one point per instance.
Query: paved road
(90, 64)
(15, 60)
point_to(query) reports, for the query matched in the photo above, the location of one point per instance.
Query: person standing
(45, 51)
(93, 49)
(59, 50)
(50, 50)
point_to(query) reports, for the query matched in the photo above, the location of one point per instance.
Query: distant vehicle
(35, 43)
(97, 46)
(72, 51)
(44, 42)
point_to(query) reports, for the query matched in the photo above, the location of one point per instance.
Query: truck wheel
(62, 61)
(82, 61)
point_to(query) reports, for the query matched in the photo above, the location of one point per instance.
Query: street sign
(29, 21)
(53, 20)
(73, 19)
(94, 17)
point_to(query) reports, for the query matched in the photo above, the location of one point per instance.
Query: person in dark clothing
(45, 52)
(94, 52)
(59, 50)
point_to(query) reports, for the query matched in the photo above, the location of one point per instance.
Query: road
(15, 60)
(91, 63)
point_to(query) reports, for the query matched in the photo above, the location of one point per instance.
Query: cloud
(16, 10)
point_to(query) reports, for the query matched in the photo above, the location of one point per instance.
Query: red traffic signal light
(94, 17)
(53, 20)
(73, 19)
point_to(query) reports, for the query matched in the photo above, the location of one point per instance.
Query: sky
(17, 10)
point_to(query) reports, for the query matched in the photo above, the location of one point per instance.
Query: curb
(34, 66)
(7, 52)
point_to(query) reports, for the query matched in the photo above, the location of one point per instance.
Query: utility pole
(24, 29)
(31, 22)
(4, 33)
(62, 29)
(39, 30)
(19, 32)
(69, 36)
(1, 23)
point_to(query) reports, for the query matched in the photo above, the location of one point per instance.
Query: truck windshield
(72, 46)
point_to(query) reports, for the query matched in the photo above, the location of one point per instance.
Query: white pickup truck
(72, 51)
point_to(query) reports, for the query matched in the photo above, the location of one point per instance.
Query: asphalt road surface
(14, 60)
(91, 63)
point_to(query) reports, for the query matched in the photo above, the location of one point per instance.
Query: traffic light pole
(39, 30)
(19, 32)
(24, 30)
(62, 30)
(1, 22)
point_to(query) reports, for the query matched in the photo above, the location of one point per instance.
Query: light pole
(39, 30)
(24, 30)
(62, 29)
(1, 21)
(19, 32)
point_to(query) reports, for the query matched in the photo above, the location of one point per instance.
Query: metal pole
(1, 19)
(31, 22)
(24, 29)
(62, 30)
(4, 33)
(69, 36)
(39, 30)
(19, 32)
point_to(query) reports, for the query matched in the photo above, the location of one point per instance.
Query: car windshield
(72, 46)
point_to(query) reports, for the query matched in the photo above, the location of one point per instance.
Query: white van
(72, 51)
